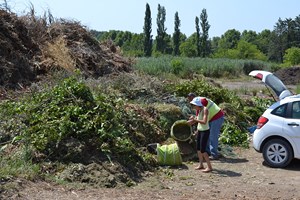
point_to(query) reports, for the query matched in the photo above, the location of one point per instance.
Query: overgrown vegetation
(48, 122)
(185, 67)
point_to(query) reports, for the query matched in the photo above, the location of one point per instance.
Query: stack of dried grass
(32, 46)
(17, 50)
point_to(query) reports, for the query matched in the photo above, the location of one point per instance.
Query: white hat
(196, 101)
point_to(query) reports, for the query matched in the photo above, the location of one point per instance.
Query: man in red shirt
(216, 120)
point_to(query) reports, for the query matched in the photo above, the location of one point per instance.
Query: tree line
(280, 45)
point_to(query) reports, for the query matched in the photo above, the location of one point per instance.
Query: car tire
(277, 153)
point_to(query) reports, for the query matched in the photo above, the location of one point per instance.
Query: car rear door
(273, 82)
(291, 125)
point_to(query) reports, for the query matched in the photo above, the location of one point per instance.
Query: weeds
(18, 163)
(184, 67)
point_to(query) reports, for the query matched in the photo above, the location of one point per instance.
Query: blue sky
(128, 15)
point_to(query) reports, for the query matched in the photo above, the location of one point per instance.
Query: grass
(185, 67)
(17, 164)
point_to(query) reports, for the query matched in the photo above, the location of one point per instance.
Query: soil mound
(31, 47)
(289, 76)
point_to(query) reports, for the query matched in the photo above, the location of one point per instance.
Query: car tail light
(259, 76)
(261, 122)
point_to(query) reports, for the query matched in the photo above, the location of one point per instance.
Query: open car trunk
(273, 82)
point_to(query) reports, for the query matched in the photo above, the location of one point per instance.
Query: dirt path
(241, 175)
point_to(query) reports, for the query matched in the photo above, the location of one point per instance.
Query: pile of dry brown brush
(32, 46)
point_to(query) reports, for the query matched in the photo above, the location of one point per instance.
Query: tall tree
(198, 43)
(291, 33)
(176, 35)
(229, 39)
(214, 44)
(188, 47)
(205, 47)
(249, 36)
(147, 32)
(278, 42)
(263, 41)
(297, 28)
(161, 30)
(286, 34)
(134, 46)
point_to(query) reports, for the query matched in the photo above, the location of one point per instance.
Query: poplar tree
(161, 30)
(147, 32)
(176, 35)
(205, 49)
(198, 36)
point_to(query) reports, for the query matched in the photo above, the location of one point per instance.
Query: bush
(70, 110)
(177, 66)
(233, 135)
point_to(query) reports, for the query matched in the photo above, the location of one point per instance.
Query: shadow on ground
(226, 173)
(233, 160)
(294, 165)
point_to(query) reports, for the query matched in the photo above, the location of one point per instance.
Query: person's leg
(215, 129)
(204, 139)
(206, 158)
(200, 156)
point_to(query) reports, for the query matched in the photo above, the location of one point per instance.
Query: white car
(277, 135)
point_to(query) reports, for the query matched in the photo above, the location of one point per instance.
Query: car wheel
(277, 153)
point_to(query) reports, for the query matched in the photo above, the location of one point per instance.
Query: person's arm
(191, 120)
(205, 117)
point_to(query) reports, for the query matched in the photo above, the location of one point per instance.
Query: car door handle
(293, 124)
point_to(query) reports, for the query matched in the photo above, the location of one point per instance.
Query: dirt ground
(239, 175)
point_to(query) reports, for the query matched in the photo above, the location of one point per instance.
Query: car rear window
(280, 111)
(275, 83)
(296, 110)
